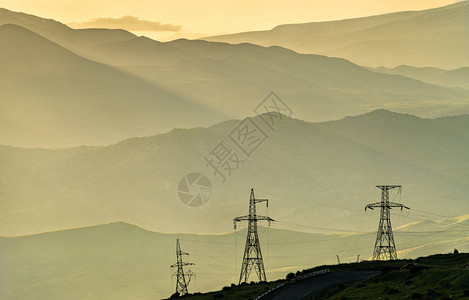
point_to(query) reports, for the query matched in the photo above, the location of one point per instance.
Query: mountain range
(436, 37)
(64, 87)
(450, 78)
(136, 180)
(100, 130)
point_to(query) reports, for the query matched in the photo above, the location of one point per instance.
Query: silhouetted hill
(53, 97)
(429, 38)
(74, 39)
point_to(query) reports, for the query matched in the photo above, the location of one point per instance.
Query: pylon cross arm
(264, 218)
(239, 219)
(373, 205)
(394, 204)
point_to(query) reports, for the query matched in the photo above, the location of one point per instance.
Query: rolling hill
(122, 261)
(430, 38)
(336, 166)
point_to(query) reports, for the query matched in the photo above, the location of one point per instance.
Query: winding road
(308, 288)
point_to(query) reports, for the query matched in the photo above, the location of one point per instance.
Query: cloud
(127, 22)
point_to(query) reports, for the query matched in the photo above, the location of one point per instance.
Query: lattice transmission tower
(385, 248)
(182, 278)
(252, 258)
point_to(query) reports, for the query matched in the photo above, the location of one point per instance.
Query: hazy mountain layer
(452, 78)
(73, 39)
(314, 173)
(122, 261)
(429, 38)
(55, 98)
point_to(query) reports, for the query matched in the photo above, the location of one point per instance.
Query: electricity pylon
(181, 282)
(385, 248)
(252, 252)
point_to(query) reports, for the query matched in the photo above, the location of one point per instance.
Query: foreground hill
(122, 261)
(314, 173)
(153, 86)
(441, 276)
(429, 38)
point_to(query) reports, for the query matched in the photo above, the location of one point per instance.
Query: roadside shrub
(446, 284)
(386, 269)
(432, 293)
(389, 290)
(406, 282)
(415, 269)
(290, 276)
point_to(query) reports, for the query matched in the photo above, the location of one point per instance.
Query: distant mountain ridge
(109, 85)
(450, 78)
(136, 180)
(436, 37)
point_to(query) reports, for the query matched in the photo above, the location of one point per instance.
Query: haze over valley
(102, 131)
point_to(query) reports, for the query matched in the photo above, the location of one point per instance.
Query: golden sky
(190, 18)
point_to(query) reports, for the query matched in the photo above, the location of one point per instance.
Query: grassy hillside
(336, 166)
(441, 276)
(122, 261)
(430, 38)
(433, 277)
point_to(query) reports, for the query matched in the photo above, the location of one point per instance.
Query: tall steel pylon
(385, 248)
(181, 282)
(252, 252)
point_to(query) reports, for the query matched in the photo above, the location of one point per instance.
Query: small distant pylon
(181, 281)
(252, 252)
(385, 248)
